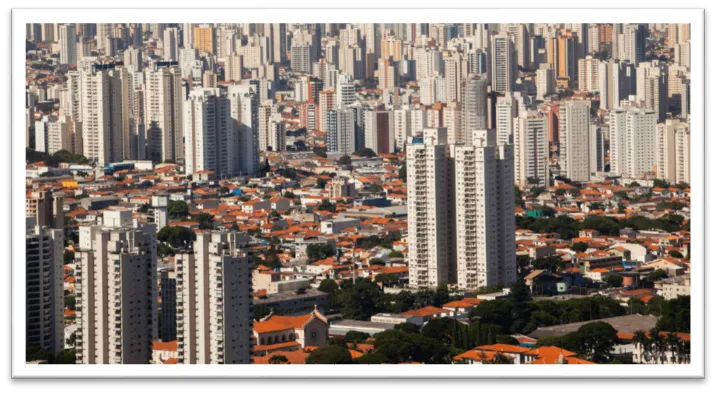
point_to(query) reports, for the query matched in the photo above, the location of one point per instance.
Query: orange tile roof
(293, 357)
(550, 352)
(276, 323)
(164, 346)
(458, 304)
(570, 360)
(426, 311)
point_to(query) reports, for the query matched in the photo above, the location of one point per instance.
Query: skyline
(440, 170)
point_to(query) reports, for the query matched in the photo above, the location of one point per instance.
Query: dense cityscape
(264, 193)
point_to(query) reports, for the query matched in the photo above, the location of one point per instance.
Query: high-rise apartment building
(68, 44)
(631, 141)
(168, 295)
(484, 225)
(504, 63)
(203, 39)
(104, 107)
(531, 149)
(430, 219)
(44, 280)
(341, 131)
(214, 302)
(209, 132)
(574, 140)
(116, 284)
(474, 104)
(671, 151)
(163, 99)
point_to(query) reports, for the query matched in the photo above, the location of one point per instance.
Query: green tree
(278, 359)
(614, 280)
(330, 354)
(580, 247)
(395, 254)
(326, 205)
(68, 257)
(518, 197)
(328, 286)
(360, 300)
(675, 254)
(355, 336)
(317, 252)
(178, 209)
(676, 315)
(597, 341)
(660, 183)
(506, 339)
(403, 173)
(344, 160)
(176, 236)
(319, 151)
(365, 152)
(442, 295)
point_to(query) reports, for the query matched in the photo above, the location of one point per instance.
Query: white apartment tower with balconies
(429, 171)
(531, 149)
(484, 212)
(116, 291)
(214, 303)
(574, 140)
(632, 141)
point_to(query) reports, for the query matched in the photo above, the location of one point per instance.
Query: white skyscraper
(484, 211)
(401, 126)
(430, 219)
(245, 118)
(504, 64)
(208, 132)
(574, 140)
(474, 104)
(531, 149)
(68, 44)
(170, 44)
(588, 74)
(545, 81)
(505, 112)
(44, 318)
(671, 151)
(341, 131)
(652, 84)
(632, 141)
(276, 133)
(163, 100)
(116, 291)
(104, 95)
(214, 302)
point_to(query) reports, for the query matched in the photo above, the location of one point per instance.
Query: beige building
(531, 148)
(484, 212)
(430, 218)
(163, 100)
(116, 291)
(214, 303)
(309, 330)
(574, 140)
